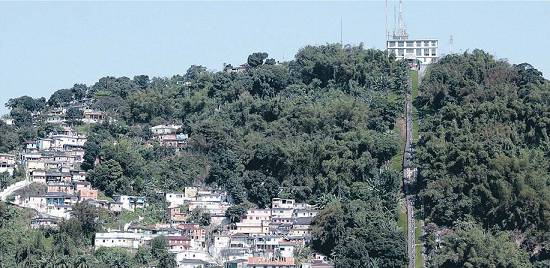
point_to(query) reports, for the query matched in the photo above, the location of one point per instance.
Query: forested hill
(323, 128)
(320, 128)
(484, 161)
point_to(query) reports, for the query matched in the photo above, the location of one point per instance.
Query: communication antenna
(451, 43)
(401, 33)
(341, 30)
(386, 13)
(394, 20)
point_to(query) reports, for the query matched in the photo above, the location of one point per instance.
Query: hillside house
(131, 241)
(130, 202)
(92, 117)
(178, 243)
(260, 262)
(44, 223)
(7, 163)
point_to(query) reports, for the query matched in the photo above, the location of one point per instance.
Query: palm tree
(167, 260)
(83, 261)
(61, 261)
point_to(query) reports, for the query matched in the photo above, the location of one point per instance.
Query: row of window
(419, 52)
(432, 43)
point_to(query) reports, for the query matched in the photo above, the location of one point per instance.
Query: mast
(401, 32)
(451, 43)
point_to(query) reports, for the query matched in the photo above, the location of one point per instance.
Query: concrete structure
(259, 262)
(424, 51)
(122, 240)
(44, 223)
(130, 202)
(7, 163)
(415, 51)
(61, 141)
(165, 129)
(91, 116)
(178, 243)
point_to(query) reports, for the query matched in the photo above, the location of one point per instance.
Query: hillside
(318, 129)
(321, 129)
(484, 162)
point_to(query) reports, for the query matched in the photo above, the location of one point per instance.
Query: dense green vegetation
(70, 246)
(484, 157)
(323, 129)
(319, 129)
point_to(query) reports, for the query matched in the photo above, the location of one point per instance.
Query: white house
(165, 129)
(121, 239)
(7, 163)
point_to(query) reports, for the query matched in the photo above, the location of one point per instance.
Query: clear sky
(45, 46)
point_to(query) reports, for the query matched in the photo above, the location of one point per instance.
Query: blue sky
(45, 46)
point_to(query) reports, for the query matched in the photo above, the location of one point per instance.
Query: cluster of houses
(89, 116)
(262, 237)
(169, 136)
(55, 161)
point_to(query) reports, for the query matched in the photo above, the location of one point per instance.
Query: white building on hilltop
(423, 51)
(416, 51)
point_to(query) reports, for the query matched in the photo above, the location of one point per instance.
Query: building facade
(423, 51)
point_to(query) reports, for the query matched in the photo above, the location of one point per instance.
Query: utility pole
(451, 43)
(341, 30)
(386, 22)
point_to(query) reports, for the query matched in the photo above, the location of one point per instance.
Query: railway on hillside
(409, 176)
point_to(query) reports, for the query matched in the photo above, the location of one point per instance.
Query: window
(433, 52)
(410, 50)
(401, 43)
(400, 52)
(410, 44)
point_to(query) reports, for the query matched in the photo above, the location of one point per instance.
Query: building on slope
(416, 52)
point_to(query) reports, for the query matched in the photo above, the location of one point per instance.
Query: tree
(27, 103)
(84, 261)
(87, 216)
(61, 97)
(270, 62)
(109, 177)
(471, 246)
(235, 213)
(167, 260)
(194, 72)
(113, 257)
(21, 117)
(159, 246)
(74, 115)
(200, 216)
(256, 59)
(142, 81)
(143, 256)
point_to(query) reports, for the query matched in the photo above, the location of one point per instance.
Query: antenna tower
(401, 32)
(451, 43)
